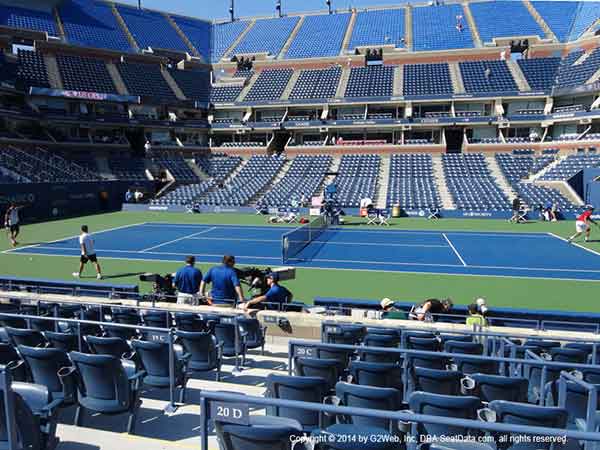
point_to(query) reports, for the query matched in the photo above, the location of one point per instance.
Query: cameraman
(187, 281)
(225, 283)
(275, 294)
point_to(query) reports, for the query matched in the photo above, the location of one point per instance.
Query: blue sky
(218, 9)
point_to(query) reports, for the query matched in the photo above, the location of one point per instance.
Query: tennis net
(293, 242)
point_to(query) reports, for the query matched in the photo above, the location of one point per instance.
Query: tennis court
(536, 255)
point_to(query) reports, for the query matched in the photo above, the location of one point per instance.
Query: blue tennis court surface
(536, 255)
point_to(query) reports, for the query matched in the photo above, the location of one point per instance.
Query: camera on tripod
(256, 279)
(162, 286)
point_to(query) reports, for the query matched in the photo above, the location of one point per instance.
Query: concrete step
(197, 170)
(383, 182)
(124, 27)
(183, 36)
(348, 34)
(335, 166)
(54, 77)
(249, 83)
(291, 38)
(518, 76)
(398, 81)
(59, 24)
(408, 31)
(540, 20)
(290, 86)
(172, 84)
(541, 173)
(440, 182)
(472, 25)
(116, 78)
(341, 88)
(228, 52)
(499, 177)
(456, 77)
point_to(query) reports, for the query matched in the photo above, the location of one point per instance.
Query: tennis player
(582, 224)
(88, 253)
(11, 222)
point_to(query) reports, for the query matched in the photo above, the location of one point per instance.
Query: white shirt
(86, 240)
(13, 217)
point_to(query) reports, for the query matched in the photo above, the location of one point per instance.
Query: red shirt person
(582, 224)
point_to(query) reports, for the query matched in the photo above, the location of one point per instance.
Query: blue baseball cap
(273, 276)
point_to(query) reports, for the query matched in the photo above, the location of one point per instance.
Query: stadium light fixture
(232, 10)
(278, 7)
(328, 2)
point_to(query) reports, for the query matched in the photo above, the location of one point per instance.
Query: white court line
(575, 244)
(536, 234)
(532, 269)
(73, 237)
(320, 242)
(409, 272)
(147, 250)
(454, 249)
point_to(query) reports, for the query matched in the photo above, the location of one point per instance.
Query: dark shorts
(15, 228)
(91, 258)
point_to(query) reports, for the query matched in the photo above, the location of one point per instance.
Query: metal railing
(220, 405)
(305, 348)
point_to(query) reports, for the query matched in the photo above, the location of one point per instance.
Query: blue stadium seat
(386, 375)
(495, 387)
(436, 381)
(28, 19)
(427, 79)
(504, 19)
(223, 35)
(203, 353)
(199, 32)
(267, 36)
(262, 433)
(370, 81)
(92, 24)
(438, 28)
(378, 27)
(269, 86)
(319, 36)
(316, 84)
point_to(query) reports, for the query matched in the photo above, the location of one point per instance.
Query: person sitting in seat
(275, 294)
(425, 311)
(475, 316)
(390, 311)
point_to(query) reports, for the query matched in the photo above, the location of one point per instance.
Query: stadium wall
(58, 200)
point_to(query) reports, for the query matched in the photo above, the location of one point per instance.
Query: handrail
(206, 397)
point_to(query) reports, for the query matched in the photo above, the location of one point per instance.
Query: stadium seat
(307, 389)
(51, 368)
(330, 370)
(523, 414)
(262, 433)
(387, 375)
(113, 346)
(202, 352)
(435, 381)
(446, 406)
(66, 342)
(189, 322)
(154, 358)
(30, 338)
(469, 348)
(255, 333)
(495, 387)
(107, 387)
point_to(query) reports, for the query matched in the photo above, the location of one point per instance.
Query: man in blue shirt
(187, 281)
(225, 283)
(275, 294)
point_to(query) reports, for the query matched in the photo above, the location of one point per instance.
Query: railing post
(203, 423)
(9, 409)
(171, 407)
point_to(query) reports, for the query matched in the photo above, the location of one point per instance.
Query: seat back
(225, 333)
(386, 399)
(202, 348)
(63, 341)
(157, 319)
(532, 415)
(328, 369)
(347, 335)
(154, 357)
(568, 355)
(44, 364)
(13, 322)
(469, 366)
(381, 340)
(307, 389)
(428, 361)
(376, 374)
(114, 346)
(189, 322)
(255, 337)
(424, 344)
(469, 348)
(435, 381)
(103, 381)
(21, 336)
(29, 435)
(495, 387)
(445, 406)
(262, 436)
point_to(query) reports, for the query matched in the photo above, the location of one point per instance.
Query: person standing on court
(88, 253)
(187, 281)
(226, 286)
